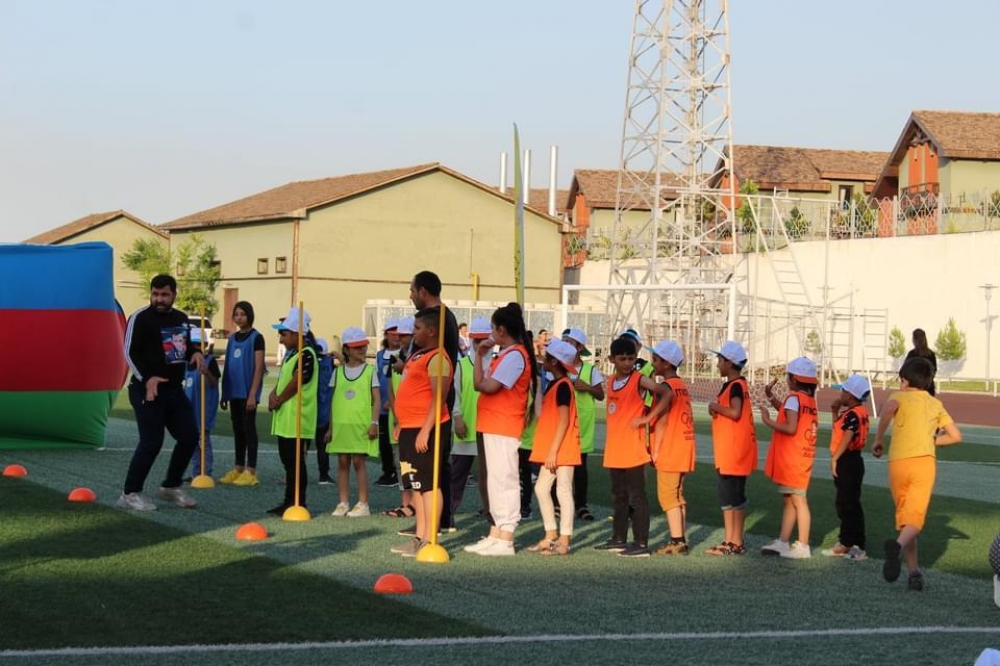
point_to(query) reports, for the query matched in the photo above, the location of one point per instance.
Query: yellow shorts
(911, 481)
(670, 489)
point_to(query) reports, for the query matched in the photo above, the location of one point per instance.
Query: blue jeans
(170, 412)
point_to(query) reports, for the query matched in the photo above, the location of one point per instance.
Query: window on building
(280, 265)
(844, 195)
(262, 266)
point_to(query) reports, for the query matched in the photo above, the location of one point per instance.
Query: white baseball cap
(480, 328)
(293, 322)
(803, 369)
(631, 333)
(732, 351)
(577, 335)
(354, 337)
(669, 351)
(405, 326)
(324, 346)
(856, 385)
(563, 352)
(390, 324)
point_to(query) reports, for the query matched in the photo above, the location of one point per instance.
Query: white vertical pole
(503, 172)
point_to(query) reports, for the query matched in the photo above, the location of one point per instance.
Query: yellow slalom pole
(298, 512)
(433, 552)
(202, 480)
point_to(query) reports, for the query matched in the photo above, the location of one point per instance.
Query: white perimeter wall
(920, 280)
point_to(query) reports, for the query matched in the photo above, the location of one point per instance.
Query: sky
(168, 108)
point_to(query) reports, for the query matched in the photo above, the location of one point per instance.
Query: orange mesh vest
(790, 458)
(502, 413)
(548, 422)
(858, 442)
(735, 442)
(625, 446)
(416, 393)
(677, 451)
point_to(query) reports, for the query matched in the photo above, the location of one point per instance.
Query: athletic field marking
(486, 640)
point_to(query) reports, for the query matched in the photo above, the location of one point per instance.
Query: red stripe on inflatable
(62, 350)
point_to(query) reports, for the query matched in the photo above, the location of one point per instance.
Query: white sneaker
(479, 545)
(798, 551)
(135, 502)
(341, 510)
(856, 554)
(177, 496)
(776, 547)
(360, 510)
(497, 548)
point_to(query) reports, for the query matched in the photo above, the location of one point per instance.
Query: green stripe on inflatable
(54, 419)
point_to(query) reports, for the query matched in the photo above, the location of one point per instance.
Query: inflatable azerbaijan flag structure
(61, 345)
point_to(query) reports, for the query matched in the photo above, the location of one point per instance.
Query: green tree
(950, 343)
(813, 343)
(897, 343)
(194, 265)
(744, 214)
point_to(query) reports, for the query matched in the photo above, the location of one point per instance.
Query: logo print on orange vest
(612, 407)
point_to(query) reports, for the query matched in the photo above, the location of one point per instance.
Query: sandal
(557, 548)
(401, 512)
(543, 546)
(721, 549)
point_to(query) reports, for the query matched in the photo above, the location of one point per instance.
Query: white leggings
(563, 478)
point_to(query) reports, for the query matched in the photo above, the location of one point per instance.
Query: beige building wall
(971, 178)
(121, 234)
(370, 246)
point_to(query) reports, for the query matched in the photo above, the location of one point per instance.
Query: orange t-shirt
(734, 442)
(790, 458)
(502, 413)
(677, 450)
(625, 446)
(548, 422)
(415, 394)
(858, 439)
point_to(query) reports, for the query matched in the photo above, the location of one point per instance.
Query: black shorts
(416, 470)
(732, 491)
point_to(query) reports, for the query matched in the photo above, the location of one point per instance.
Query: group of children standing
(502, 392)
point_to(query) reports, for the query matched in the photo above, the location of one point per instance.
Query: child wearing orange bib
(734, 444)
(556, 447)
(626, 450)
(847, 441)
(673, 449)
(790, 458)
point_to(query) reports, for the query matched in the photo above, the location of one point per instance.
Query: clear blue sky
(168, 108)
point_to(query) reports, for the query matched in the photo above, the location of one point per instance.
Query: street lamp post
(988, 293)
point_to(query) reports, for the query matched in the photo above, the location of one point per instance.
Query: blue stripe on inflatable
(57, 277)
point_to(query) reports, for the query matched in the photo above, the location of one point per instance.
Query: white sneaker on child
(497, 548)
(360, 510)
(341, 510)
(798, 551)
(776, 547)
(856, 554)
(479, 545)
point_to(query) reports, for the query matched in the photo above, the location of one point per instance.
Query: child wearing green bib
(353, 434)
(288, 422)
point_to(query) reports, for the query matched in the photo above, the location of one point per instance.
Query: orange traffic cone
(393, 583)
(82, 495)
(251, 532)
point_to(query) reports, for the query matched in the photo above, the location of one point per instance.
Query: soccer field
(175, 585)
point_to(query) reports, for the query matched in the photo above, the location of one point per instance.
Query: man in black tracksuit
(158, 349)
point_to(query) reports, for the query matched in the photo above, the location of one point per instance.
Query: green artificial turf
(85, 574)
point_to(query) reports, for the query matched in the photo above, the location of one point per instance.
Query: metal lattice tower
(674, 222)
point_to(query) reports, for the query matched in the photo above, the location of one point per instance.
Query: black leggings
(244, 433)
(628, 489)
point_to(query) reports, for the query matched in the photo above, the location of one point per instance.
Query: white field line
(487, 640)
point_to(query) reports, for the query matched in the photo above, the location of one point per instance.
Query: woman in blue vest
(242, 381)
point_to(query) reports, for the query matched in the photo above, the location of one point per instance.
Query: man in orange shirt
(626, 450)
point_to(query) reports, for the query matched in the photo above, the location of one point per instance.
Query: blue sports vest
(192, 389)
(324, 392)
(239, 368)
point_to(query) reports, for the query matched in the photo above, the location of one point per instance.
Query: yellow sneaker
(247, 478)
(231, 476)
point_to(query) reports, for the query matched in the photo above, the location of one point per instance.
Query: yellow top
(916, 424)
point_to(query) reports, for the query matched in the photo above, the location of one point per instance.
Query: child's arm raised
(664, 396)
(790, 425)
(888, 413)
